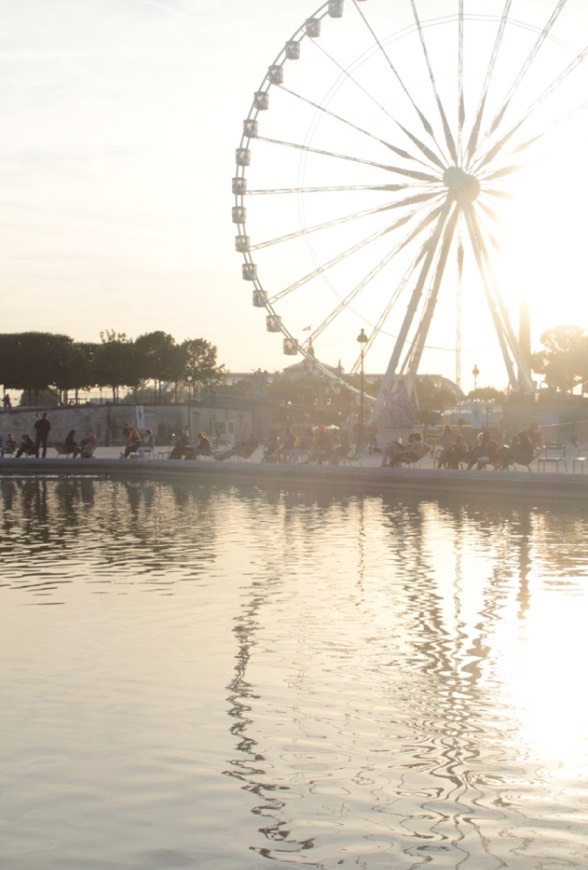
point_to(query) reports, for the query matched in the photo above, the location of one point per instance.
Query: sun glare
(541, 682)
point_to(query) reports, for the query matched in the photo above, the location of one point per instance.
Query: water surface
(201, 676)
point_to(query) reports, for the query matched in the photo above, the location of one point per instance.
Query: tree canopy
(564, 359)
(35, 362)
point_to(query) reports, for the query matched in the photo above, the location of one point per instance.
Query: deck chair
(581, 458)
(552, 454)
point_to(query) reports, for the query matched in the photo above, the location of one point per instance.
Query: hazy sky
(120, 122)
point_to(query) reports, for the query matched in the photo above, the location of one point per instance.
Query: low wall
(105, 421)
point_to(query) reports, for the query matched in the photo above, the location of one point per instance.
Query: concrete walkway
(363, 477)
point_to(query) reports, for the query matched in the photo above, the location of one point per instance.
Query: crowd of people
(317, 444)
(488, 448)
(137, 444)
(450, 449)
(184, 449)
(28, 446)
(38, 444)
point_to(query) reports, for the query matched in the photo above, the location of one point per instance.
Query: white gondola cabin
(273, 323)
(259, 298)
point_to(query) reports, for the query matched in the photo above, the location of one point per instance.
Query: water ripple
(334, 680)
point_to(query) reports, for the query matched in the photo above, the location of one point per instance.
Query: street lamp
(362, 339)
(189, 380)
(475, 373)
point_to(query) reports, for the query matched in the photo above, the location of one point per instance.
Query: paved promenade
(365, 476)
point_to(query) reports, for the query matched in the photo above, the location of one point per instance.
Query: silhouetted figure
(26, 447)
(42, 428)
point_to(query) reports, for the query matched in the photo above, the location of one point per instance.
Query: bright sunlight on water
(201, 676)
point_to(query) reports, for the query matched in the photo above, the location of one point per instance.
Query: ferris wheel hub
(463, 185)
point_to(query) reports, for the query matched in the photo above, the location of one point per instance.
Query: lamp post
(189, 380)
(475, 373)
(362, 339)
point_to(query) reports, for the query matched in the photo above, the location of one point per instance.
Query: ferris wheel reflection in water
(341, 677)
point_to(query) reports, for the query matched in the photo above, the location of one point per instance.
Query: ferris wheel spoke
(460, 73)
(372, 273)
(425, 257)
(580, 58)
(422, 147)
(414, 357)
(449, 140)
(398, 151)
(334, 261)
(531, 57)
(343, 188)
(506, 337)
(526, 66)
(306, 231)
(353, 294)
(426, 124)
(475, 131)
(554, 124)
(402, 243)
(397, 170)
(388, 308)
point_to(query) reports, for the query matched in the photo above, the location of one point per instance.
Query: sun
(543, 255)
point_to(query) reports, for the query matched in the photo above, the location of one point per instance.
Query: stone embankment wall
(105, 421)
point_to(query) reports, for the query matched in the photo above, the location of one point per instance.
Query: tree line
(37, 362)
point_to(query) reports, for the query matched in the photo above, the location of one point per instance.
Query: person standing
(42, 428)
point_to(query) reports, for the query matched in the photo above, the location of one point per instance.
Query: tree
(487, 394)
(564, 360)
(115, 363)
(160, 358)
(33, 361)
(75, 369)
(200, 362)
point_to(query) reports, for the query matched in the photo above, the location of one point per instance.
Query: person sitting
(87, 446)
(520, 451)
(8, 445)
(392, 453)
(203, 444)
(71, 445)
(444, 445)
(416, 449)
(148, 444)
(242, 450)
(398, 453)
(484, 452)
(457, 453)
(323, 445)
(26, 447)
(182, 448)
(272, 449)
(133, 441)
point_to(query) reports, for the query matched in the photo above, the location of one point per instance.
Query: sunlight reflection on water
(197, 675)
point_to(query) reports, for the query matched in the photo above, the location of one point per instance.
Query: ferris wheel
(377, 168)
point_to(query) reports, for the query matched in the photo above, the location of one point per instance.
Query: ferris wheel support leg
(430, 247)
(418, 345)
(511, 351)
